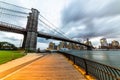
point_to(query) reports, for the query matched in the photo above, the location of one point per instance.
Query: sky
(78, 19)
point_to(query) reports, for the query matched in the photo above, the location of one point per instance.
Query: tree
(7, 46)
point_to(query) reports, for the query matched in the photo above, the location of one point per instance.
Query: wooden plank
(50, 67)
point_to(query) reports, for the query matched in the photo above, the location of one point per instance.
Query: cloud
(93, 18)
(43, 40)
(80, 9)
(42, 46)
(11, 38)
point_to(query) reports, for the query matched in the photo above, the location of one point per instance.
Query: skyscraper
(88, 42)
(104, 43)
(115, 44)
(51, 46)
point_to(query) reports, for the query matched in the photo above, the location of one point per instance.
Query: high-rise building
(52, 46)
(58, 47)
(63, 44)
(69, 45)
(104, 43)
(115, 44)
(88, 42)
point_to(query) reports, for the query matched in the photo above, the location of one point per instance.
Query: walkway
(16, 64)
(49, 67)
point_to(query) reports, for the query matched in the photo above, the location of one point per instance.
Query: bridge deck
(50, 67)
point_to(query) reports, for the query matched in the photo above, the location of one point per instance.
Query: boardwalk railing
(98, 70)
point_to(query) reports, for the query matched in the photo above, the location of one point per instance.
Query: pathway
(49, 67)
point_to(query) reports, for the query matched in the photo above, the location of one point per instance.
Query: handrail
(98, 70)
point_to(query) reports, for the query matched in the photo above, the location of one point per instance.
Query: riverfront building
(52, 46)
(104, 43)
(88, 42)
(67, 45)
(113, 45)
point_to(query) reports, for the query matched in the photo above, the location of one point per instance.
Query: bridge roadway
(50, 67)
(20, 30)
(11, 28)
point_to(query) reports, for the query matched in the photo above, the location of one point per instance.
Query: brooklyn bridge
(9, 21)
(79, 65)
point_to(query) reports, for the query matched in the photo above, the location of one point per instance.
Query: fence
(98, 70)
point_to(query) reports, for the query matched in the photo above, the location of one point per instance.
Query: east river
(111, 58)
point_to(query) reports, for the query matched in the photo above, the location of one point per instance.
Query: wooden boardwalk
(50, 67)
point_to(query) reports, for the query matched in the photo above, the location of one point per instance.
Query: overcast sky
(80, 19)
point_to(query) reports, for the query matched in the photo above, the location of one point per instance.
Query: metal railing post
(74, 59)
(98, 70)
(86, 69)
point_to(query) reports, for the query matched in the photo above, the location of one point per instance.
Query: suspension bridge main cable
(55, 26)
(13, 15)
(61, 32)
(14, 5)
(51, 23)
(46, 27)
(13, 10)
(54, 29)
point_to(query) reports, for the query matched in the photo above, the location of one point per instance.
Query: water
(111, 58)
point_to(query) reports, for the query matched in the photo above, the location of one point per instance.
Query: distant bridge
(31, 31)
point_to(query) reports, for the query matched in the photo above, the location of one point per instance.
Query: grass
(6, 56)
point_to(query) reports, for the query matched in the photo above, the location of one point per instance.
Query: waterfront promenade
(49, 67)
(16, 64)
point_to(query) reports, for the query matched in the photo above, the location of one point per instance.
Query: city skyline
(114, 44)
(75, 18)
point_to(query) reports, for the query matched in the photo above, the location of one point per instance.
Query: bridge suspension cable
(54, 29)
(43, 26)
(52, 24)
(12, 14)
(12, 5)
(5, 9)
(11, 8)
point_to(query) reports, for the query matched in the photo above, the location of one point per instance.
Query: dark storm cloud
(87, 13)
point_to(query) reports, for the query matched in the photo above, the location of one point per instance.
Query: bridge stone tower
(30, 38)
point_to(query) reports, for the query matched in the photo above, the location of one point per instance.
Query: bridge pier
(30, 39)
